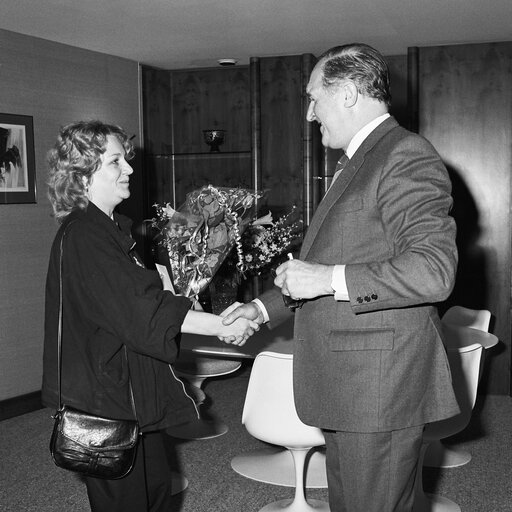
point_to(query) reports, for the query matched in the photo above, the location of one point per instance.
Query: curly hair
(362, 64)
(75, 157)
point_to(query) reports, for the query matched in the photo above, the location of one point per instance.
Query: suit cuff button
(359, 299)
(375, 296)
(367, 298)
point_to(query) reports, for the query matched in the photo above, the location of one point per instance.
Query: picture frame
(17, 160)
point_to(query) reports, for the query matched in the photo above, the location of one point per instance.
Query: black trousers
(373, 472)
(147, 488)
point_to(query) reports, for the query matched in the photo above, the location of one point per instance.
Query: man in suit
(370, 366)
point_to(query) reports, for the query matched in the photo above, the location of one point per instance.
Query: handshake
(297, 279)
(240, 322)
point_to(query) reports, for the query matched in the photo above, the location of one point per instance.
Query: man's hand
(237, 310)
(303, 280)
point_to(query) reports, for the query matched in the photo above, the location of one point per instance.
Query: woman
(111, 302)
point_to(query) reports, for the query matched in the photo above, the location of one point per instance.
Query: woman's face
(110, 184)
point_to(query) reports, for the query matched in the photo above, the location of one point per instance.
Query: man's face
(326, 107)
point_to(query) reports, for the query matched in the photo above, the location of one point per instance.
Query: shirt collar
(361, 135)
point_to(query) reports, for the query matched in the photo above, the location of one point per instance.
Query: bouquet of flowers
(264, 241)
(202, 232)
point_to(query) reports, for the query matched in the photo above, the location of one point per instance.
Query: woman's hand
(239, 331)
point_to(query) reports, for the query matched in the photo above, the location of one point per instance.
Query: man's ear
(350, 94)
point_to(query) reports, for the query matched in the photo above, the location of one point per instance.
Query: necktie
(342, 162)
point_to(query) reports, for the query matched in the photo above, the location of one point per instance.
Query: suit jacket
(378, 362)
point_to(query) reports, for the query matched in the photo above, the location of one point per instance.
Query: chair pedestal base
(290, 506)
(275, 466)
(299, 502)
(439, 455)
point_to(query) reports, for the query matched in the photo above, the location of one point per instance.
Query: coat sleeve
(277, 312)
(119, 298)
(413, 198)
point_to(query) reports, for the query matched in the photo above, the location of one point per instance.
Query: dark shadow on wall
(471, 288)
(471, 282)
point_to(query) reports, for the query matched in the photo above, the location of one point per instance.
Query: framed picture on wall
(17, 162)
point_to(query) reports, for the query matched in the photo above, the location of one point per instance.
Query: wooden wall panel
(222, 170)
(158, 162)
(160, 181)
(312, 147)
(398, 86)
(178, 106)
(465, 110)
(55, 84)
(211, 99)
(156, 111)
(281, 132)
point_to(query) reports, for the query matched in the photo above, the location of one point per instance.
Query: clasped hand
(241, 325)
(304, 280)
(237, 312)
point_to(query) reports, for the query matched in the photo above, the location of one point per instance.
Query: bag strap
(59, 335)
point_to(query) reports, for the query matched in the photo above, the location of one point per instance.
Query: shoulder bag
(85, 443)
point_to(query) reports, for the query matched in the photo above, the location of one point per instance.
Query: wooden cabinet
(262, 109)
(178, 106)
(268, 144)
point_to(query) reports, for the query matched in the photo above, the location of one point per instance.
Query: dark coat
(377, 362)
(110, 301)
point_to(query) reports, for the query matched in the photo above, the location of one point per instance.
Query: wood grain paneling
(255, 93)
(211, 99)
(221, 170)
(156, 111)
(281, 132)
(311, 147)
(465, 110)
(178, 106)
(398, 86)
(157, 122)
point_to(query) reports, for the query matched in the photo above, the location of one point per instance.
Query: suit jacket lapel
(342, 182)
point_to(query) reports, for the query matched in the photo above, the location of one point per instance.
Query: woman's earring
(85, 182)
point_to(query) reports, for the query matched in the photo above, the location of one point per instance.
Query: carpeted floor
(30, 482)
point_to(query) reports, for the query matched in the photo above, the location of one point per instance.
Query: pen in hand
(288, 301)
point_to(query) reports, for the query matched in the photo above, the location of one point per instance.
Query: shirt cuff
(263, 310)
(339, 283)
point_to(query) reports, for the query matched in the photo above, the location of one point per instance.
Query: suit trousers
(373, 472)
(147, 488)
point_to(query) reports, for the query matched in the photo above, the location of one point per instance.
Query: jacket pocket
(361, 339)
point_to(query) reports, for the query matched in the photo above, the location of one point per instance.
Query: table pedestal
(275, 466)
